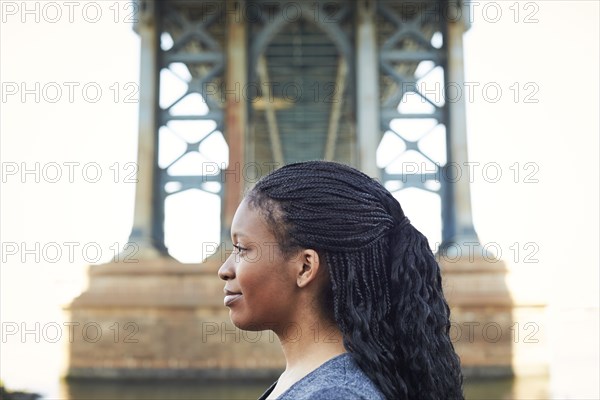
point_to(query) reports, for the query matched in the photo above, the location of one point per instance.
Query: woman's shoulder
(338, 378)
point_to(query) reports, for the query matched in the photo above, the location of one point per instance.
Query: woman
(326, 258)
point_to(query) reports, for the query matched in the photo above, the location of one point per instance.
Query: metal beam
(367, 80)
(236, 113)
(458, 225)
(196, 58)
(275, 139)
(409, 55)
(336, 108)
(145, 221)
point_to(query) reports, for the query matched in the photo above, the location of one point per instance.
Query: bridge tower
(245, 86)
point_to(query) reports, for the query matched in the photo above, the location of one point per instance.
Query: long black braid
(386, 288)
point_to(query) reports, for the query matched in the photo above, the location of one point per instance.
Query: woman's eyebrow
(238, 234)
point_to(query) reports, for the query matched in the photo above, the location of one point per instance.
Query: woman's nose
(227, 272)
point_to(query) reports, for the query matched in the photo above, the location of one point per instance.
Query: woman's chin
(238, 321)
(244, 324)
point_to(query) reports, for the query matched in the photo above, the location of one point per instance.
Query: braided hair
(386, 289)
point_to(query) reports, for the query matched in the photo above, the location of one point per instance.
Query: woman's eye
(239, 249)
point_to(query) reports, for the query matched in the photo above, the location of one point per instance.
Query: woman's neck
(308, 345)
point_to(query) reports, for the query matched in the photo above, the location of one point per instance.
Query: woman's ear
(308, 265)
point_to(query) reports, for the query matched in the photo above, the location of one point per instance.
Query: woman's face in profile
(259, 281)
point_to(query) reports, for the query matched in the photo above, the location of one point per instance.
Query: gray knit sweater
(338, 378)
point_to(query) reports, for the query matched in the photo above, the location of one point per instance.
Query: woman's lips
(230, 298)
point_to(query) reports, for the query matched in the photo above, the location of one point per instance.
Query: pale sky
(548, 135)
